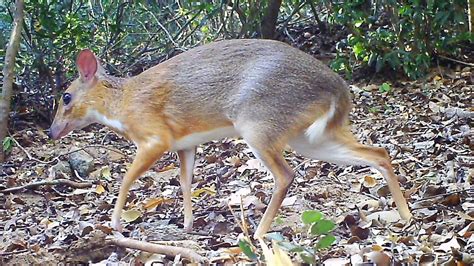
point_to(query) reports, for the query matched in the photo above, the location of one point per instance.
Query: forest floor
(425, 125)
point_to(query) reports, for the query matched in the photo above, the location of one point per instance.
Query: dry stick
(28, 154)
(30, 157)
(457, 61)
(242, 224)
(245, 228)
(5, 254)
(48, 182)
(158, 249)
(446, 194)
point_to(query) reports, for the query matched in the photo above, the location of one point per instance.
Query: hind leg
(340, 147)
(269, 152)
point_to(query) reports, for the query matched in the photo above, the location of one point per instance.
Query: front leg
(186, 158)
(144, 159)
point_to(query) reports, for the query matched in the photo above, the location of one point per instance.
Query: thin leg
(142, 162)
(380, 160)
(340, 147)
(186, 157)
(283, 176)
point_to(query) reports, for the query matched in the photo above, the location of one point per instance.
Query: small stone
(307, 35)
(61, 167)
(81, 162)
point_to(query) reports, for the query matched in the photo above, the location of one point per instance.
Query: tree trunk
(8, 72)
(470, 7)
(269, 20)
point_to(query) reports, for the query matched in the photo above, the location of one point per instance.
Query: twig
(30, 157)
(457, 61)
(28, 154)
(170, 251)
(245, 228)
(445, 194)
(170, 38)
(236, 218)
(4, 254)
(48, 182)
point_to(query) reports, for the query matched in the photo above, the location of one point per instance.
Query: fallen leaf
(236, 197)
(385, 216)
(151, 204)
(446, 247)
(452, 200)
(99, 189)
(427, 259)
(369, 181)
(79, 191)
(289, 201)
(467, 231)
(252, 164)
(131, 215)
(336, 261)
(361, 233)
(232, 250)
(205, 190)
(380, 258)
(277, 257)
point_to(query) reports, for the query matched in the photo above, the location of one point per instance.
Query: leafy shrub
(402, 35)
(318, 231)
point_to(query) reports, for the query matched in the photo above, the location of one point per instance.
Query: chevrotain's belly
(194, 139)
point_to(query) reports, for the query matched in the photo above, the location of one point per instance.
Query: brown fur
(267, 91)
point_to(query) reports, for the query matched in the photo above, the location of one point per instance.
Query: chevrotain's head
(82, 100)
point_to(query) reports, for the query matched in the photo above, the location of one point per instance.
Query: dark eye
(67, 98)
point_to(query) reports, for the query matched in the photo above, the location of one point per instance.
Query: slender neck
(110, 109)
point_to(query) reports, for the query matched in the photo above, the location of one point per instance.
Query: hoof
(116, 226)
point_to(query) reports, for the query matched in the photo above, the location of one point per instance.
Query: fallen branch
(32, 158)
(48, 183)
(5, 254)
(456, 61)
(157, 249)
(29, 155)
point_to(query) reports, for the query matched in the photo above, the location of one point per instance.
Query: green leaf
(309, 217)
(358, 49)
(247, 249)
(325, 242)
(322, 227)
(385, 87)
(374, 110)
(307, 258)
(290, 247)
(7, 144)
(274, 236)
(279, 221)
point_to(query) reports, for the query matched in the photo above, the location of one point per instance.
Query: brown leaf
(369, 181)
(361, 233)
(452, 200)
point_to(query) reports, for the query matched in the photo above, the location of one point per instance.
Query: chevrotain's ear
(86, 64)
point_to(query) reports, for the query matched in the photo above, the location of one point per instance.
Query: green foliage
(385, 87)
(398, 34)
(247, 249)
(129, 36)
(7, 144)
(318, 230)
(322, 227)
(309, 217)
